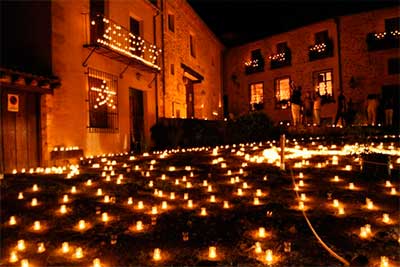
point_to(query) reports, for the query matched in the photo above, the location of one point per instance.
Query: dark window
(192, 46)
(154, 2)
(394, 65)
(281, 47)
(103, 101)
(134, 27)
(97, 7)
(392, 24)
(171, 22)
(321, 37)
(172, 69)
(256, 54)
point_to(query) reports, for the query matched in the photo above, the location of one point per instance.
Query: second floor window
(323, 84)
(103, 101)
(394, 65)
(171, 22)
(192, 46)
(282, 92)
(256, 96)
(321, 37)
(392, 25)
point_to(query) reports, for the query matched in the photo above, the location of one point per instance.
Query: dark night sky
(239, 21)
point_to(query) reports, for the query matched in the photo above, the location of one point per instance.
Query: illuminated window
(323, 83)
(192, 46)
(256, 96)
(103, 101)
(171, 22)
(282, 92)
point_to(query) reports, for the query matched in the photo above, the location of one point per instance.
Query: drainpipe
(163, 55)
(156, 74)
(337, 20)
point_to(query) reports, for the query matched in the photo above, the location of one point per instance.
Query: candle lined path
(225, 205)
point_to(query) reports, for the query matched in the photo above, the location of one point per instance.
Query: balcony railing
(321, 50)
(114, 41)
(280, 60)
(383, 40)
(254, 65)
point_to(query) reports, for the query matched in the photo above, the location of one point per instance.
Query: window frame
(285, 103)
(104, 118)
(259, 105)
(315, 82)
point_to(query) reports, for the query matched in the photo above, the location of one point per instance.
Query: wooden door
(19, 144)
(189, 99)
(136, 104)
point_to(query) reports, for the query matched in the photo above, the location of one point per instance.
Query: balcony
(280, 60)
(254, 66)
(116, 42)
(383, 40)
(321, 50)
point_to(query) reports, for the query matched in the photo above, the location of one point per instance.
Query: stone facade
(207, 62)
(369, 68)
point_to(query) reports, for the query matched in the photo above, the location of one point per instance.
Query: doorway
(189, 99)
(136, 105)
(393, 92)
(19, 130)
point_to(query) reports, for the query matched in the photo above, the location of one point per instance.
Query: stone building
(357, 54)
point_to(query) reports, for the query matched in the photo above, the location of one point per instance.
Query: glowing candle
(139, 226)
(35, 187)
(341, 210)
(157, 254)
(212, 252)
(370, 204)
(209, 188)
(65, 247)
(164, 205)
(24, 263)
(140, 205)
(256, 201)
(176, 181)
(21, 245)
(89, 182)
(63, 209)
(36, 226)
(204, 182)
(301, 183)
(160, 193)
(78, 253)
(368, 228)
(245, 186)
(237, 179)
(99, 192)
(106, 199)
(386, 218)
(186, 196)
(34, 202)
(384, 261)
(12, 221)
(73, 189)
(65, 198)
(188, 185)
(104, 217)
(393, 191)
(130, 201)
(296, 188)
(261, 232)
(154, 210)
(96, 262)
(301, 205)
(212, 198)
(351, 186)
(388, 184)
(226, 204)
(258, 248)
(240, 192)
(301, 175)
(151, 184)
(190, 203)
(229, 172)
(348, 168)
(172, 195)
(232, 181)
(259, 193)
(268, 256)
(303, 196)
(336, 203)
(336, 179)
(20, 195)
(41, 247)
(13, 257)
(363, 232)
(82, 224)
(203, 212)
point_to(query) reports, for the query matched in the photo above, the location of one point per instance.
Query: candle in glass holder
(139, 226)
(336, 179)
(203, 212)
(226, 204)
(104, 217)
(368, 228)
(212, 198)
(24, 263)
(96, 262)
(301, 176)
(388, 184)
(172, 195)
(106, 199)
(240, 192)
(386, 218)
(245, 186)
(13, 257)
(341, 210)
(78, 253)
(99, 192)
(370, 204)
(89, 182)
(232, 180)
(130, 201)
(393, 191)
(35, 187)
(268, 256)
(41, 247)
(296, 188)
(212, 252)
(160, 193)
(21, 245)
(12, 221)
(303, 196)
(259, 193)
(301, 183)
(384, 261)
(157, 254)
(65, 198)
(140, 205)
(363, 232)
(188, 185)
(256, 201)
(237, 179)
(73, 189)
(154, 210)
(209, 188)
(176, 182)
(20, 195)
(65, 247)
(258, 248)
(164, 205)
(82, 224)
(301, 205)
(336, 203)
(186, 196)
(261, 232)
(34, 202)
(351, 186)
(205, 183)
(63, 209)
(36, 226)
